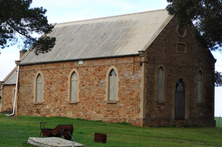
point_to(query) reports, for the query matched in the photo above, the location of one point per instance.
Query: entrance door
(180, 100)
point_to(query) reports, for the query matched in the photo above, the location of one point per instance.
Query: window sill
(39, 103)
(111, 102)
(73, 102)
(163, 102)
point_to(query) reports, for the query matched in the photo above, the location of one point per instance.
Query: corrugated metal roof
(11, 79)
(103, 37)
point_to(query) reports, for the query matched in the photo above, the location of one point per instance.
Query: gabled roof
(10, 79)
(121, 35)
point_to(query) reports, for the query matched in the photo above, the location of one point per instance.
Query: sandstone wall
(7, 98)
(92, 104)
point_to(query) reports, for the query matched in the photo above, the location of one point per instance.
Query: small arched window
(199, 87)
(39, 84)
(74, 87)
(160, 97)
(112, 85)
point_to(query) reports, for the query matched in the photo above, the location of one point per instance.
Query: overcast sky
(71, 10)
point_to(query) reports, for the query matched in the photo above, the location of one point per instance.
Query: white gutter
(16, 88)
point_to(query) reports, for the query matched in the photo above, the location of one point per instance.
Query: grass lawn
(15, 131)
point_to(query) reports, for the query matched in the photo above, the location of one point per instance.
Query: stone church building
(139, 68)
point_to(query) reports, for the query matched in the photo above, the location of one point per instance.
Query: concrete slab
(52, 142)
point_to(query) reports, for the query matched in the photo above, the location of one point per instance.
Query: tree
(206, 16)
(18, 20)
(218, 79)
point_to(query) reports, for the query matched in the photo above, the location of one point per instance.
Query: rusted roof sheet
(103, 37)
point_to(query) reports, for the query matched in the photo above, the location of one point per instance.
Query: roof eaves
(8, 84)
(70, 60)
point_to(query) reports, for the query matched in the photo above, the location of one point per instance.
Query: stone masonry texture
(92, 104)
(177, 66)
(7, 97)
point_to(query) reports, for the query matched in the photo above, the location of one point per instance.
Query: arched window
(74, 87)
(179, 107)
(39, 84)
(199, 87)
(160, 97)
(112, 85)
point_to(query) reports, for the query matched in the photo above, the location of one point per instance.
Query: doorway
(180, 100)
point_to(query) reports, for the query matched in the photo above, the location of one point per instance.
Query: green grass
(15, 131)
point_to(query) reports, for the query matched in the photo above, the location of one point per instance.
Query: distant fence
(218, 121)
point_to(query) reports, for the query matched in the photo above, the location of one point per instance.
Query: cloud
(217, 55)
(7, 64)
(71, 10)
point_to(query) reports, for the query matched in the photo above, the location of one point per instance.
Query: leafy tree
(17, 20)
(218, 78)
(206, 16)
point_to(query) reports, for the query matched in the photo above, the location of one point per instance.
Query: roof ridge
(100, 18)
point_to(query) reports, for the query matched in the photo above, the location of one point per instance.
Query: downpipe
(15, 95)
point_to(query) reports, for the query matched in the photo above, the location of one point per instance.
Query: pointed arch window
(160, 96)
(179, 102)
(112, 85)
(74, 87)
(199, 87)
(39, 88)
